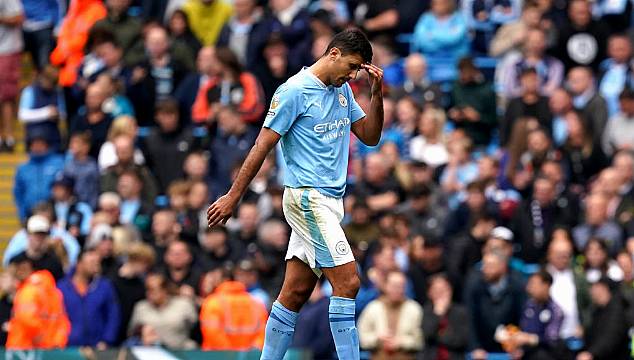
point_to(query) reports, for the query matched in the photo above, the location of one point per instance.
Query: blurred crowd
(496, 215)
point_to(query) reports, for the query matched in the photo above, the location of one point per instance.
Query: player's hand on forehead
(374, 70)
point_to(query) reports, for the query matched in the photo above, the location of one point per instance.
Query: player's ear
(334, 54)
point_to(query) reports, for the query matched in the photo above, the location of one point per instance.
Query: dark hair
(627, 94)
(544, 276)
(528, 71)
(83, 136)
(352, 41)
(168, 105)
(229, 59)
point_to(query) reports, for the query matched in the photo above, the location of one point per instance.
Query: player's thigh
(299, 282)
(344, 279)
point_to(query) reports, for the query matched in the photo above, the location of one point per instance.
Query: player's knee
(294, 298)
(348, 287)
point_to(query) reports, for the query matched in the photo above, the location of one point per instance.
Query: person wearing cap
(501, 239)
(71, 214)
(20, 240)
(38, 319)
(605, 336)
(38, 249)
(34, 178)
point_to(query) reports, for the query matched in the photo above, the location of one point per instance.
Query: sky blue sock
(279, 332)
(343, 328)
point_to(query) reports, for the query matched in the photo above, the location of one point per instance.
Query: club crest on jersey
(342, 100)
(275, 102)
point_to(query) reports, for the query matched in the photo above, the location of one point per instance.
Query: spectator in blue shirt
(83, 169)
(91, 304)
(34, 179)
(441, 35)
(41, 17)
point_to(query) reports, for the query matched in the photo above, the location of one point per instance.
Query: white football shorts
(316, 237)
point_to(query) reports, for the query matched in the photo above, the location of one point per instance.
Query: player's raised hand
(376, 77)
(220, 211)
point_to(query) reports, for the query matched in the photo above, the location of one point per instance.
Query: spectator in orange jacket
(232, 319)
(73, 35)
(39, 320)
(231, 86)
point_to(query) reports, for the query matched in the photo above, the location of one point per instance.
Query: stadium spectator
(122, 125)
(232, 86)
(73, 37)
(391, 326)
(128, 282)
(560, 104)
(194, 222)
(134, 210)
(83, 169)
(246, 273)
(270, 250)
(219, 249)
(429, 146)
(444, 322)
(292, 23)
(181, 33)
(598, 224)
(194, 82)
(34, 178)
(494, 297)
(460, 171)
(180, 270)
(598, 262)
(206, 18)
(70, 214)
(550, 70)
(441, 35)
(582, 40)
(511, 36)
(166, 147)
(473, 104)
(530, 103)
(232, 319)
(417, 84)
(125, 28)
(91, 304)
(40, 19)
(615, 73)
(426, 258)
(379, 189)
(40, 250)
(485, 17)
(157, 77)
(116, 104)
(246, 33)
(165, 230)
(474, 205)
(618, 131)
(587, 100)
(124, 147)
(92, 117)
(163, 318)
(38, 318)
(42, 106)
(19, 241)
(385, 56)
(11, 20)
(101, 239)
(605, 337)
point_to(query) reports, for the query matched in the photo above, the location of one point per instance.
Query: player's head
(347, 51)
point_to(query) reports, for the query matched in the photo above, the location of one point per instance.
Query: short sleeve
(284, 109)
(356, 113)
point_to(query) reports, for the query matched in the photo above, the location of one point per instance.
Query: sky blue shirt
(314, 121)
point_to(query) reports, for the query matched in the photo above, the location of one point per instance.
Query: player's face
(345, 68)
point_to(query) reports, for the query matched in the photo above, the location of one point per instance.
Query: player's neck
(319, 69)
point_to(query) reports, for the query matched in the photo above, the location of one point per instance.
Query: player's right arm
(281, 116)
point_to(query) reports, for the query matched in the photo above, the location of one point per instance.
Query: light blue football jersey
(314, 121)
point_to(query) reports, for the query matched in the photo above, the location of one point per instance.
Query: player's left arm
(369, 128)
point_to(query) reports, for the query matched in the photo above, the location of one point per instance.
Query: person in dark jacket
(91, 117)
(127, 30)
(494, 296)
(473, 99)
(606, 336)
(182, 35)
(312, 324)
(91, 304)
(444, 322)
(246, 33)
(167, 146)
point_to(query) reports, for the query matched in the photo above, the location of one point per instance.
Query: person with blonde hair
(122, 125)
(429, 146)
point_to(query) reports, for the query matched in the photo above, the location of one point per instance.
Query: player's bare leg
(299, 282)
(345, 283)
